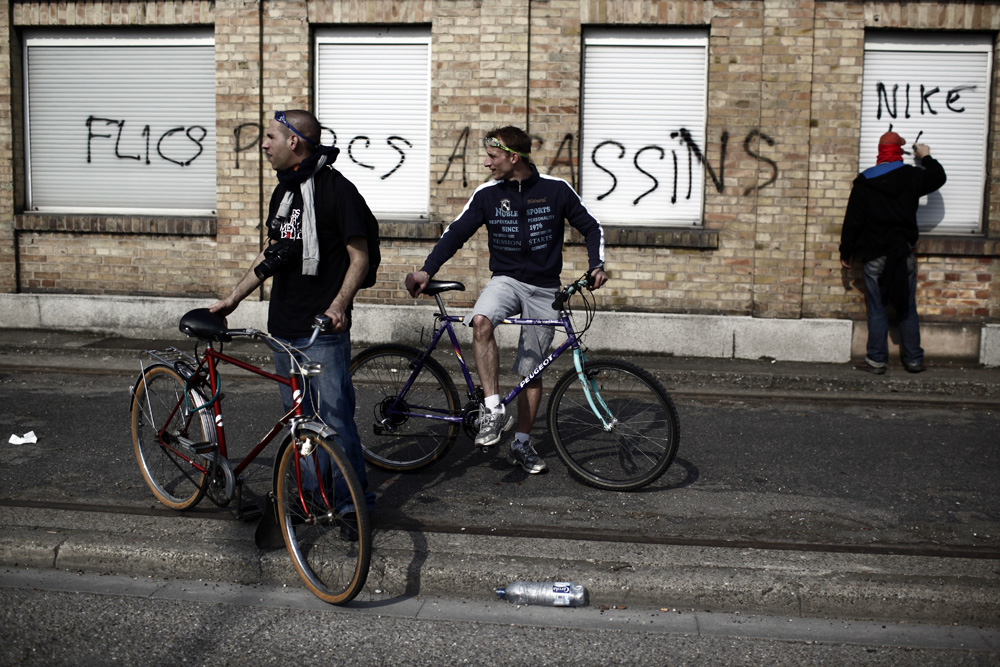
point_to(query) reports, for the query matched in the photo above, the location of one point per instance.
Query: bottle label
(561, 594)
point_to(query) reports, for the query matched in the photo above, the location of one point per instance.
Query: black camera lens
(275, 256)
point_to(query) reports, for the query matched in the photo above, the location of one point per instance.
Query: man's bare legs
(484, 349)
(527, 405)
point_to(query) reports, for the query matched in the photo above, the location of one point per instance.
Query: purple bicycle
(613, 424)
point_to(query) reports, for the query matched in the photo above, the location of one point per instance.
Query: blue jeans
(336, 394)
(878, 316)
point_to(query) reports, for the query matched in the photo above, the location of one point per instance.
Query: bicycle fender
(316, 428)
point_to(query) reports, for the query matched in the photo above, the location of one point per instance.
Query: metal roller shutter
(644, 97)
(373, 100)
(934, 88)
(121, 125)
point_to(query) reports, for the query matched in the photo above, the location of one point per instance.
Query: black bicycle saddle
(204, 324)
(438, 286)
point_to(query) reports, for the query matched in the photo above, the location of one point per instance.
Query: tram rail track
(946, 551)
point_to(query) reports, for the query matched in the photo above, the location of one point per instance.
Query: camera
(275, 256)
(277, 253)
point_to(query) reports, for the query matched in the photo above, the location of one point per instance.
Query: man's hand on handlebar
(599, 278)
(337, 319)
(416, 282)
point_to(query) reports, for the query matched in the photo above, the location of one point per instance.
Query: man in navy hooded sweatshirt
(524, 213)
(880, 229)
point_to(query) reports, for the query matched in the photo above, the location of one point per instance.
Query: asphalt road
(856, 476)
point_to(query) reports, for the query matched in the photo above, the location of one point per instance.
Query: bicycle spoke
(403, 432)
(641, 439)
(314, 494)
(170, 475)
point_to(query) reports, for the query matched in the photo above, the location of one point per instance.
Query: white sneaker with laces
(525, 456)
(491, 427)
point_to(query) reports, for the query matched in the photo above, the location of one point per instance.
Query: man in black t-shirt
(318, 254)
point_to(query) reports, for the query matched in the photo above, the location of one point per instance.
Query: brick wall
(784, 91)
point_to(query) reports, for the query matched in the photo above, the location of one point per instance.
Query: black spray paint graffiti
(357, 146)
(354, 147)
(195, 134)
(458, 153)
(693, 152)
(892, 108)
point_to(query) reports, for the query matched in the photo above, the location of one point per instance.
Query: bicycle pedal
(203, 447)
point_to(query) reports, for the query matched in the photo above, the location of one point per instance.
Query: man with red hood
(880, 229)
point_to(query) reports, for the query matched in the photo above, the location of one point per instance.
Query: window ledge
(410, 229)
(659, 237)
(115, 224)
(976, 246)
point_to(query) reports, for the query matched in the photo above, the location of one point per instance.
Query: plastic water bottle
(550, 593)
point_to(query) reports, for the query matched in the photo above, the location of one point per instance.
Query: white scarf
(310, 243)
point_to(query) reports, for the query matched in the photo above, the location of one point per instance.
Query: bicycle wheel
(644, 431)
(313, 493)
(167, 462)
(412, 434)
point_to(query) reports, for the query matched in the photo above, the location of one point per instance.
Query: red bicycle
(180, 444)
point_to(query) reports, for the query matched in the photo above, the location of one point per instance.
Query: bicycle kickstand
(246, 514)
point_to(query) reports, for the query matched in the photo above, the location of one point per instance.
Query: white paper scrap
(28, 438)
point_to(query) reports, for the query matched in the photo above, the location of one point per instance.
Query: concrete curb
(680, 335)
(785, 583)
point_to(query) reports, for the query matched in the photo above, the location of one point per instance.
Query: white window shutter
(121, 125)
(902, 71)
(644, 112)
(373, 100)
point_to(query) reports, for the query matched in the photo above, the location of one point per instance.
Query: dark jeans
(878, 316)
(336, 393)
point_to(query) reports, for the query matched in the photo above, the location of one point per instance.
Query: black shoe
(914, 368)
(349, 527)
(868, 368)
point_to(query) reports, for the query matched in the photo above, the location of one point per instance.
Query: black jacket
(882, 211)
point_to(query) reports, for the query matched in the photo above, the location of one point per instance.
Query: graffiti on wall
(684, 156)
(183, 145)
(925, 101)
(179, 145)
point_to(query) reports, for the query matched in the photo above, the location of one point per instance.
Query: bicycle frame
(208, 365)
(572, 342)
(211, 360)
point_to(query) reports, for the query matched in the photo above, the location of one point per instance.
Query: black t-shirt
(340, 214)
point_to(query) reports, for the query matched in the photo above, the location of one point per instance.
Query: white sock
(493, 404)
(521, 439)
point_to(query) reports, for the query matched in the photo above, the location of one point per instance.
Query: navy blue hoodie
(525, 222)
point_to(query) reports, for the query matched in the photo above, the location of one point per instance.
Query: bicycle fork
(591, 391)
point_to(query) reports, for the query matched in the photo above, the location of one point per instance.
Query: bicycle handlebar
(321, 323)
(587, 281)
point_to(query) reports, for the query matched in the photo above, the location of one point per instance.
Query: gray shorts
(505, 297)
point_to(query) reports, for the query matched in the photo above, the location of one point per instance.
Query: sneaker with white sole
(491, 427)
(526, 457)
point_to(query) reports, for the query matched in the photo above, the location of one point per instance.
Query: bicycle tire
(644, 436)
(167, 467)
(333, 568)
(403, 442)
